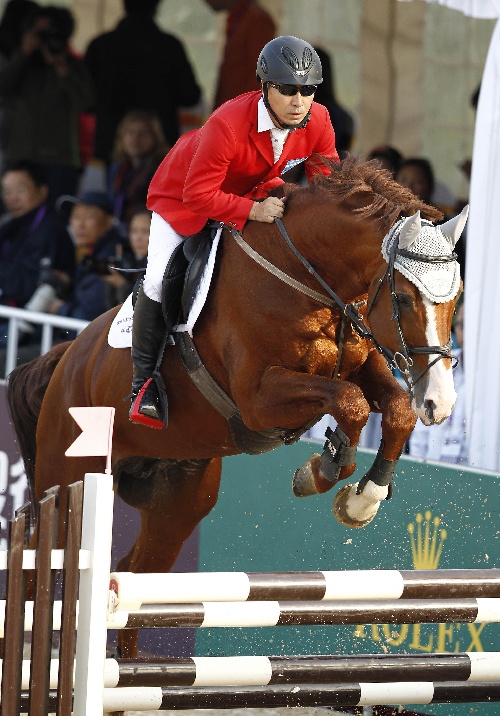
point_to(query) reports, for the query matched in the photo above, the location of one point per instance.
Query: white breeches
(162, 242)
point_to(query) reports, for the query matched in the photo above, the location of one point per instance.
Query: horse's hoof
(353, 510)
(303, 482)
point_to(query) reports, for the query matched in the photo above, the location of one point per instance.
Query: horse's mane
(352, 176)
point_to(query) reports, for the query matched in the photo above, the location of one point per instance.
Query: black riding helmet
(288, 60)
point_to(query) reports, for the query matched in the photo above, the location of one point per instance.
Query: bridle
(400, 360)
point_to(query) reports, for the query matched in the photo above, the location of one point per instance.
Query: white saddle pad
(120, 331)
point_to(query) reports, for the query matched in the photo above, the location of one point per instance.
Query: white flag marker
(97, 433)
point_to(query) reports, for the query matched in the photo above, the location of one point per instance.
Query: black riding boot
(147, 334)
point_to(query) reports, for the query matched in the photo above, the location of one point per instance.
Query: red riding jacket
(215, 172)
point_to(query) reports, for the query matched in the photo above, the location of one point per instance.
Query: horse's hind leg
(173, 497)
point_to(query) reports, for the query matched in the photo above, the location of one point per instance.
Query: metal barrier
(16, 316)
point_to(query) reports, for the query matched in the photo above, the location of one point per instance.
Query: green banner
(440, 516)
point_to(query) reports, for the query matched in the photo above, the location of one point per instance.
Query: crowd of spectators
(81, 137)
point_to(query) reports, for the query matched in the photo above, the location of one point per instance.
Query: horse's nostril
(430, 407)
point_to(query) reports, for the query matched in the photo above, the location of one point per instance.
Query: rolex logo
(427, 537)
(426, 541)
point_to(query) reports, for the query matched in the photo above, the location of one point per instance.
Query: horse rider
(224, 172)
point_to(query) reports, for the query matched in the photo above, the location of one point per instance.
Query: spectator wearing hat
(98, 244)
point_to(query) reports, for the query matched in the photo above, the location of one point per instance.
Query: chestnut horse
(283, 344)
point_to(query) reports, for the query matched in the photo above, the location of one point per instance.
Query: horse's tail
(26, 388)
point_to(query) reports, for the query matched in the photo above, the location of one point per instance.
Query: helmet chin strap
(273, 114)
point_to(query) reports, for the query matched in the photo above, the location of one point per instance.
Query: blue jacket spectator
(29, 232)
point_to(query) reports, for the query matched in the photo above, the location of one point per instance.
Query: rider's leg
(148, 325)
(147, 334)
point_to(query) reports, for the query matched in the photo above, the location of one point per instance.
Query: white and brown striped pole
(131, 590)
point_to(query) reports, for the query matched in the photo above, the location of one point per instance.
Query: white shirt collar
(264, 121)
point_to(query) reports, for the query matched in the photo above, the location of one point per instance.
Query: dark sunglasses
(291, 90)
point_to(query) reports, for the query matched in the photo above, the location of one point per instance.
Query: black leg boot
(147, 334)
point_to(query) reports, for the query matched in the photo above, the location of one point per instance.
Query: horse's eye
(405, 299)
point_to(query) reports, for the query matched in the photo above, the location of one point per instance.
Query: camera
(57, 281)
(100, 267)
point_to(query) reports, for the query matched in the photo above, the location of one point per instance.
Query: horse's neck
(346, 253)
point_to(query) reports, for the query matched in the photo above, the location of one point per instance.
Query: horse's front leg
(356, 505)
(321, 472)
(289, 399)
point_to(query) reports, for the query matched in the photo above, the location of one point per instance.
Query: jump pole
(97, 528)
(331, 669)
(341, 695)
(269, 614)
(224, 671)
(354, 694)
(131, 590)
(295, 613)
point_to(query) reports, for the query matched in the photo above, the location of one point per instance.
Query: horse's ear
(453, 228)
(410, 230)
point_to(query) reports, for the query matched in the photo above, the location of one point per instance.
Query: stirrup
(135, 414)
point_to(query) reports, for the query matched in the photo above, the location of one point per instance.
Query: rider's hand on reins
(267, 210)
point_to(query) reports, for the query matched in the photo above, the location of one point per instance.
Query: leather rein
(400, 360)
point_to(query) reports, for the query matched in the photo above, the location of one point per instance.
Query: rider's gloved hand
(267, 210)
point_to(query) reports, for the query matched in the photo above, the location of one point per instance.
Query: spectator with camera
(99, 245)
(31, 234)
(11, 27)
(46, 88)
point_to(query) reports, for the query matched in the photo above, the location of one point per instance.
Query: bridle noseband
(401, 359)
